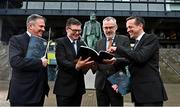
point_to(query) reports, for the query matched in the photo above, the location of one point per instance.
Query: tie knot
(74, 42)
(110, 39)
(136, 41)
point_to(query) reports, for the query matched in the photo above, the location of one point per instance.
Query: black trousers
(154, 104)
(40, 103)
(108, 96)
(74, 100)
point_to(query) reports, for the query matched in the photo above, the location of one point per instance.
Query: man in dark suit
(105, 94)
(147, 86)
(69, 85)
(28, 85)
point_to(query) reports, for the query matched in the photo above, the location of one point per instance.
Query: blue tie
(75, 46)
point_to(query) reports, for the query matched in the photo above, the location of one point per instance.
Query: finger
(90, 62)
(80, 58)
(87, 59)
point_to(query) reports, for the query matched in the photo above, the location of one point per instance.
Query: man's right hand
(44, 61)
(109, 61)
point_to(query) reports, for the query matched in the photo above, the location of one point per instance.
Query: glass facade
(120, 5)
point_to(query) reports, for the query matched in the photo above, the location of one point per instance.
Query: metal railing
(166, 59)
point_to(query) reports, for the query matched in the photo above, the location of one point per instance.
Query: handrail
(166, 62)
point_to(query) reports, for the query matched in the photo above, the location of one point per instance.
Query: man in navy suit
(147, 87)
(28, 85)
(69, 85)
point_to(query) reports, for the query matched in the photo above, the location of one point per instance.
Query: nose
(108, 29)
(43, 29)
(128, 29)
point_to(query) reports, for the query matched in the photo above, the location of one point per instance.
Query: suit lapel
(70, 46)
(104, 44)
(25, 41)
(116, 40)
(78, 45)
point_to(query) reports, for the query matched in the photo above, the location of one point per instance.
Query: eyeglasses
(110, 27)
(76, 30)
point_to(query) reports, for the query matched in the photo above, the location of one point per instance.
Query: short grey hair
(33, 17)
(110, 18)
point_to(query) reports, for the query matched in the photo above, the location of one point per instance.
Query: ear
(141, 26)
(29, 26)
(116, 27)
(66, 28)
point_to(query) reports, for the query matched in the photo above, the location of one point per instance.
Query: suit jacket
(29, 78)
(147, 85)
(69, 81)
(104, 70)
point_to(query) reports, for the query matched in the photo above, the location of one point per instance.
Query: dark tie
(75, 46)
(135, 44)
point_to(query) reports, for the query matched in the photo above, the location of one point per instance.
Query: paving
(89, 99)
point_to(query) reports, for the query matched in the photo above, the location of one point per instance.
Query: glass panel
(143, 0)
(175, 7)
(139, 7)
(156, 7)
(121, 6)
(104, 6)
(35, 5)
(52, 5)
(24, 5)
(160, 0)
(69, 5)
(87, 6)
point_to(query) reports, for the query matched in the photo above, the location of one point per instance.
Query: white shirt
(75, 44)
(28, 33)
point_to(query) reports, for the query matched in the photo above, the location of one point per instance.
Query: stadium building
(162, 16)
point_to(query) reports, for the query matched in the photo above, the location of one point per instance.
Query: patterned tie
(110, 43)
(135, 44)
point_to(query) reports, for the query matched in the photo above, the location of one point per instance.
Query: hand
(84, 64)
(44, 61)
(109, 61)
(112, 49)
(115, 87)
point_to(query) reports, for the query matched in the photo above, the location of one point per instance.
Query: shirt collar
(28, 33)
(140, 36)
(71, 40)
(112, 38)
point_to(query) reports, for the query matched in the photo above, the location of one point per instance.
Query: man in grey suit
(105, 94)
(147, 87)
(28, 85)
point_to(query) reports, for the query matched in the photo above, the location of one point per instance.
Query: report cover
(36, 47)
(122, 80)
(86, 52)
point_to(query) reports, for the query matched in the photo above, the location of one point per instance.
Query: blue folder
(122, 80)
(36, 47)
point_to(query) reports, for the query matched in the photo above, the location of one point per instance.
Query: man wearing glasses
(105, 94)
(69, 85)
